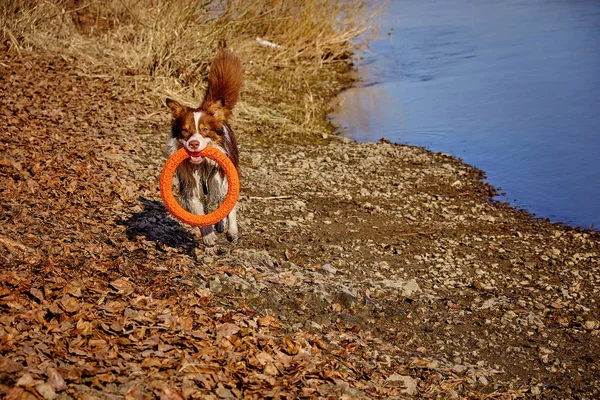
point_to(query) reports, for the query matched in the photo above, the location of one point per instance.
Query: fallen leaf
(8, 365)
(227, 330)
(74, 289)
(15, 393)
(37, 293)
(269, 321)
(168, 394)
(56, 380)
(122, 286)
(151, 362)
(26, 380)
(70, 304)
(264, 358)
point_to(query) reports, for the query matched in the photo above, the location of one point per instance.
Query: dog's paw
(210, 239)
(232, 237)
(220, 226)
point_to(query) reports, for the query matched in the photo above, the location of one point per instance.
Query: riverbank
(446, 80)
(361, 268)
(362, 271)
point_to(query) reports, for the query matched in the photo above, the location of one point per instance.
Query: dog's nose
(194, 145)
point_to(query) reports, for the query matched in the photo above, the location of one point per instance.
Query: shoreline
(364, 270)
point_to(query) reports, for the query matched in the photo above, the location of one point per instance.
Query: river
(511, 87)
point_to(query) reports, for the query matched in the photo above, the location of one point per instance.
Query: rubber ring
(166, 187)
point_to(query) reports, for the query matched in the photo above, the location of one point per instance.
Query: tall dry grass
(173, 41)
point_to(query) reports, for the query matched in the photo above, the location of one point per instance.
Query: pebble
(407, 382)
(460, 369)
(46, 391)
(329, 268)
(590, 325)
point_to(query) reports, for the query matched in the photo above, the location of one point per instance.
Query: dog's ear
(176, 108)
(218, 110)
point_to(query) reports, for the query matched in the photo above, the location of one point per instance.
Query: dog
(202, 183)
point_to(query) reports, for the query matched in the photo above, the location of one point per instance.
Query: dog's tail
(224, 85)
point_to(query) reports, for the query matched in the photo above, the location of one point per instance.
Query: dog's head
(195, 129)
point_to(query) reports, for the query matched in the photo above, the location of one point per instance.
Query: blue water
(511, 87)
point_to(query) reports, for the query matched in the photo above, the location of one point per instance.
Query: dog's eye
(204, 129)
(184, 131)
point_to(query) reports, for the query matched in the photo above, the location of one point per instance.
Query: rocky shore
(362, 271)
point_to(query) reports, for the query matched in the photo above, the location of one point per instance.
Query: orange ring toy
(166, 187)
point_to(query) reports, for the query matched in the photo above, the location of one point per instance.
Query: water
(511, 87)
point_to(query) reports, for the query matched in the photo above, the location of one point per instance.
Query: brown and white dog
(202, 183)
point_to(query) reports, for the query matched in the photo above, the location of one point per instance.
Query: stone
(411, 287)
(46, 391)
(408, 383)
(590, 325)
(459, 369)
(328, 268)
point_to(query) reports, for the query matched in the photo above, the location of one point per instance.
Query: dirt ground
(362, 271)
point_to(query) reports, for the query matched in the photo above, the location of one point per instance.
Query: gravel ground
(362, 271)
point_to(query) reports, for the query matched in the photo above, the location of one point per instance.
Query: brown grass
(173, 41)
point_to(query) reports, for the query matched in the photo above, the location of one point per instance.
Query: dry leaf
(56, 380)
(227, 330)
(70, 304)
(26, 380)
(168, 394)
(269, 321)
(151, 362)
(37, 293)
(264, 358)
(122, 286)
(15, 393)
(9, 366)
(74, 289)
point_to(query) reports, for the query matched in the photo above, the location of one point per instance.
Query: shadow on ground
(155, 224)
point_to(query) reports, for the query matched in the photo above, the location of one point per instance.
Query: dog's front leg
(232, 229)
(220, 183)
(192, 195)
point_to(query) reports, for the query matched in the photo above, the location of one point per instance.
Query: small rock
(313, 325)
(329, 268)
(46, 391)
(208, 260)
(433, 365)
(411, 287)
(482, 286)
(509, 314)
(215, 285)
(590, 325)
(408, 383)
(483, 380)
(459, 369)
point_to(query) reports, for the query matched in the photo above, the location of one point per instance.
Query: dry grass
(173, 41)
